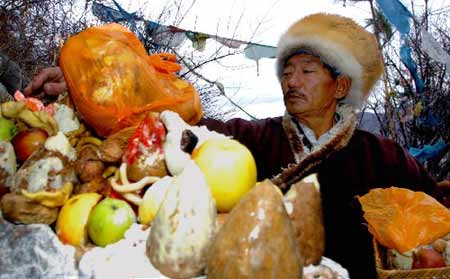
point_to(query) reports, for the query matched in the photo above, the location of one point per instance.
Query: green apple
(7, 129)
(109, 220)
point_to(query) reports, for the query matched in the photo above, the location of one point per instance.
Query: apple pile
(136, 187)
(119, 180)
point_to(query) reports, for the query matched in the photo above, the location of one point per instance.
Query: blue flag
(397, 14)
(108, 14)
(405, 56)
(428, 151)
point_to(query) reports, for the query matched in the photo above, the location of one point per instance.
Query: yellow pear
(229, 168)
(71, 226)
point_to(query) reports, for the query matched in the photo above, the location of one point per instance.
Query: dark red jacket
(366, 162)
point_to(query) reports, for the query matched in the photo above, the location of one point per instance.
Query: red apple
(428, 258)
(27, 141)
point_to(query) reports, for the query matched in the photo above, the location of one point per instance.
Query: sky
(256, 89)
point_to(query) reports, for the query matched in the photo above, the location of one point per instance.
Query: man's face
(308, 87)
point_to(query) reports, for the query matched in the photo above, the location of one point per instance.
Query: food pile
(194, 188)
(432, 255)
(412, 227)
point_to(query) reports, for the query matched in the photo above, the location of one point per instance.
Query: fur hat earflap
(339, 42)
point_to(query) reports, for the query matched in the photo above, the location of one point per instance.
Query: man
(327, 66)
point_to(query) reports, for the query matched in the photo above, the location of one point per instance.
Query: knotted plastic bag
(403, 219)
(113, 82)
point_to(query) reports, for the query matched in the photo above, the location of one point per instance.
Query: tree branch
(215, 83)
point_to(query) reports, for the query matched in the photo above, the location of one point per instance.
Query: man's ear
(343, 84)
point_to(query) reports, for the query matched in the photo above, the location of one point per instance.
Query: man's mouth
(294, 95)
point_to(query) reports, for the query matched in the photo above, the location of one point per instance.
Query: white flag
(434, 50)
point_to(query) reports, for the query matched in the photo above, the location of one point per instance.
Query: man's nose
(295, 79)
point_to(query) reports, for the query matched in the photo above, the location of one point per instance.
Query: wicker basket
(380, 262)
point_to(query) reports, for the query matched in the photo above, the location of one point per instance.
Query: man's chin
(296, 110)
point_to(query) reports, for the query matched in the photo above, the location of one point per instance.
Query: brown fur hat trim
(341, 43)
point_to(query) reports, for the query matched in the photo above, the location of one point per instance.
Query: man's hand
(49, 81)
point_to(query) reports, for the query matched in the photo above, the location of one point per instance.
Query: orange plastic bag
(403, 219)
(113, 82)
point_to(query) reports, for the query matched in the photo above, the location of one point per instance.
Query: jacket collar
(306, 158)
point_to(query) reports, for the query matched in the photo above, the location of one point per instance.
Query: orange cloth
(403, 219)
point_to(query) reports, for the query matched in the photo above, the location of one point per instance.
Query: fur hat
(339, 42)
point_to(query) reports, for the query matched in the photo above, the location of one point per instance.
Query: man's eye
(285, 74)
(308, 71)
